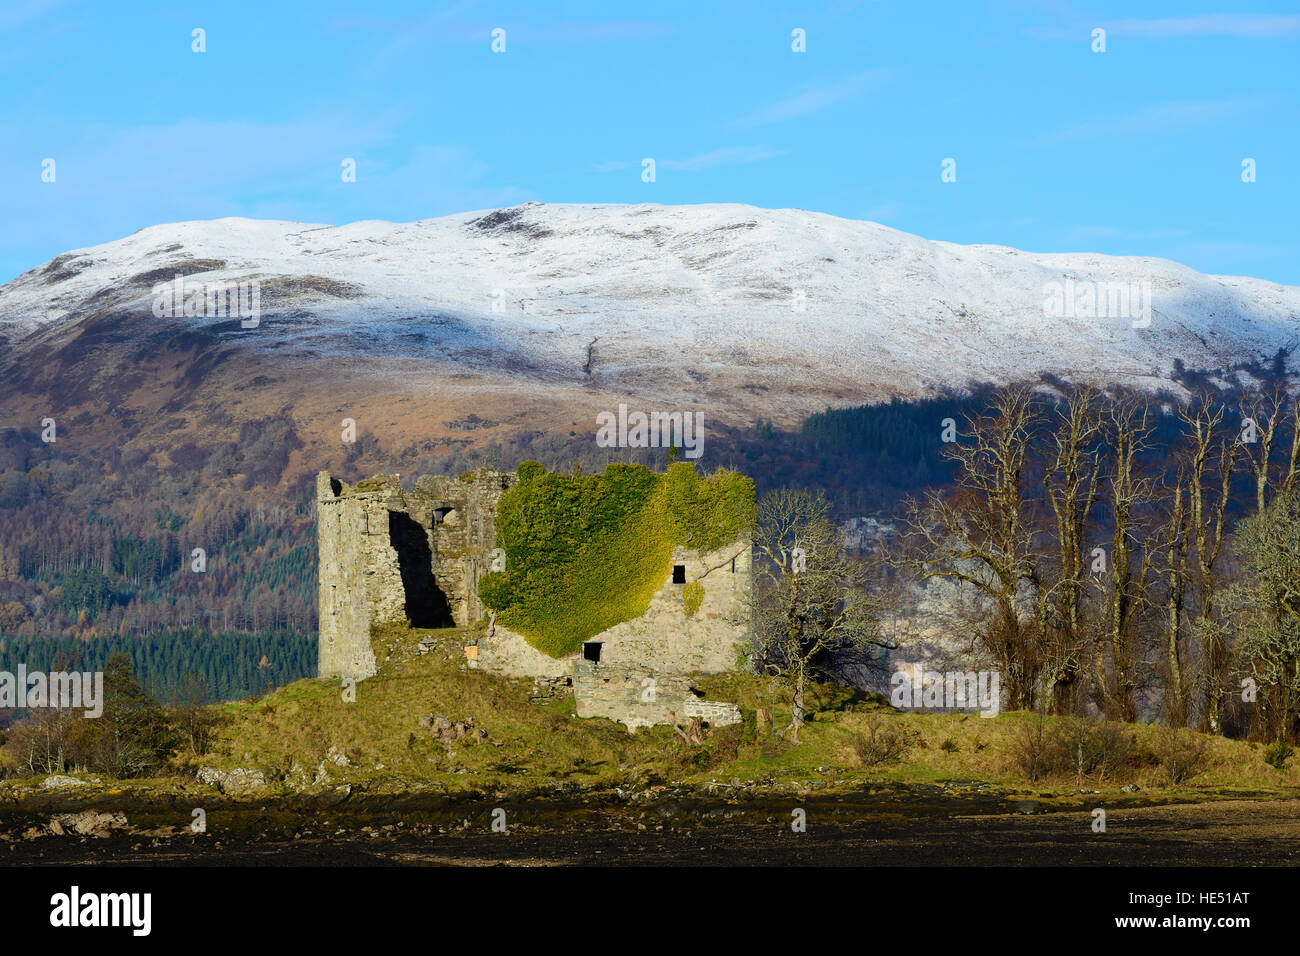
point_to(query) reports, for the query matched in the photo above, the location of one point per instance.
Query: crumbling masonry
(392, 556)
(389, 556)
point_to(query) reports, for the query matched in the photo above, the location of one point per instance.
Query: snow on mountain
(661, 298)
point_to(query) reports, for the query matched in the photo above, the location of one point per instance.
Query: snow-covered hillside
(647, 298)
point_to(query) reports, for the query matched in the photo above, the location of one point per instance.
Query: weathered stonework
(392, 556)
(637, 697)
(663, 645)
(665, 639)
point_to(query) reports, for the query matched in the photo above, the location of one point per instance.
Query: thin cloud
(1211, 25)
(731, 156)
(1154, 119)
(1240, 25)
(450, 26)
(811, 101)
(21, 14)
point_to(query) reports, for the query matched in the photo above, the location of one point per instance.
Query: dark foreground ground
(839, 831)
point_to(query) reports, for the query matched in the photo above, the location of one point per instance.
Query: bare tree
(1124, 586)
(810, 598)
(1070, 482)
(189, 711)
(1267, 417)
(1213, 457)
(44, 741)
(1174, 542)
(981, 536)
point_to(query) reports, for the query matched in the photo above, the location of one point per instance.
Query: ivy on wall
(586, 552)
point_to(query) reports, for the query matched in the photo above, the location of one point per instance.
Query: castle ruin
(390, 556)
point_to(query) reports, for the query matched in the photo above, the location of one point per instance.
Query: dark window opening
(679, 574)
(426, 605)
(591, 651)
(440, 514)
(733, 565)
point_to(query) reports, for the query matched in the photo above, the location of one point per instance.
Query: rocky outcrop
(238, 782)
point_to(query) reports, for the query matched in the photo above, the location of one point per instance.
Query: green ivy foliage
(692, 598)
(586, 552)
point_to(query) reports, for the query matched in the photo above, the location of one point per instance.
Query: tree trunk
(796, 708)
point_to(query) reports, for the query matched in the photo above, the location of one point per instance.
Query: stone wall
(715, 713)
(389, 556)
(463, 512)
(665, 639)
(636, 697)
(502, 651)
(344, 618)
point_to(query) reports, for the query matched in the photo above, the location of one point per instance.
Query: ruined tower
(392, 556)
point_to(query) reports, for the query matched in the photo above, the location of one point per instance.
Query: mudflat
(839, 831)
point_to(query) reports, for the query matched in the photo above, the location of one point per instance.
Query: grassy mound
(586, 552)
(298, 731)
(852, 740)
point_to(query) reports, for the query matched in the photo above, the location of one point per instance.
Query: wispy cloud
(1242, 25)
(16, 15)
(1211, 25)
(731, 156)
(112, 181)
(450, 25)
(811, 101)
(1153, 119)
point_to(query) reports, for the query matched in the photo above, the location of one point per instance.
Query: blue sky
(1134, 151)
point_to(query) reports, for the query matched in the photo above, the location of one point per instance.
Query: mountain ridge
(542, 315)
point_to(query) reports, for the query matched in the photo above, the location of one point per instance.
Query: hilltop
(472, 327)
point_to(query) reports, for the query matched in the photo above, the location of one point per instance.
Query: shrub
(132, 736)
(1092, 747)
(1075, 745)
(692, 598)
(1182, 753)
(1277, 754)
(882, 744)
(1031, 749)
(528, 470)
